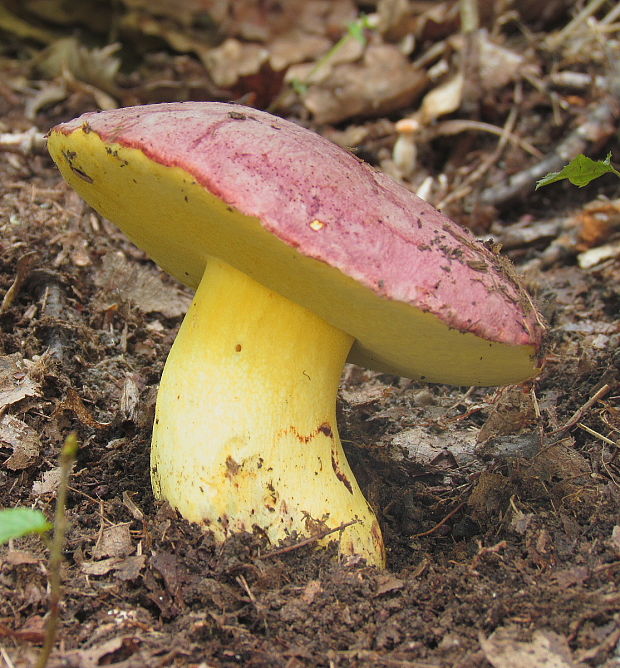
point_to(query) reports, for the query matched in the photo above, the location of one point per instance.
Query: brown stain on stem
(340, 475)
(324, 428)
(232, 467)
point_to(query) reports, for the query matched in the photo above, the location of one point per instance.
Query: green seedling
(580, 171)
(18, 522)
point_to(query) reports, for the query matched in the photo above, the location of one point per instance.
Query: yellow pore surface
(179, 224)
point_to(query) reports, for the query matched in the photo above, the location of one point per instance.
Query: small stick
(6, 657)
(458, 125)
(443, 521)
(597, 124)
(466, 187)
(257, 606)
(308, 541)
(580, 412)
(493, 549)
(554, 41)
(595, 433)
(461, 399)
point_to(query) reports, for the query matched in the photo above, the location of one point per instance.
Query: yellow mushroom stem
(245, 427)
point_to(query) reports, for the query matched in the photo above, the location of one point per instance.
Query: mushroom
(302, 257)
(405, 151)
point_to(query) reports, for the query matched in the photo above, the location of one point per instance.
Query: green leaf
(580, 171)
(17, 522)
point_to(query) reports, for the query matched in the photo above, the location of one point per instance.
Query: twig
(6, 657)
(580, 412)
(613, 15)
(67, 457)
(461, 416)
(308, 541)
(257, 606)
(461, 399)
(458, 125)
(443, 521)
(465, 188)
(595, 433)
(493, 549)
(597, 126)
(554, 41)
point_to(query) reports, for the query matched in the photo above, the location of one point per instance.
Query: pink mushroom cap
(320, 200)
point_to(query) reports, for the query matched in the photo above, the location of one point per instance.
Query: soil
(499, 506)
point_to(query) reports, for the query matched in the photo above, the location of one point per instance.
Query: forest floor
(500, 507)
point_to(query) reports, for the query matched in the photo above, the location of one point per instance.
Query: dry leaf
(296, 46)
(363, 395)
(105, 653)
(48, 484)
(102, 567)
(233, 60)
(125, 569)
(425, 445)
(549, 649)
(596, 222)
(510, 446)
(129, 568)
(249, 20)
(513, 412)
(520, 521)
(385, 80)
(598, 255)
(20, 557)
(560, 462)
(566, 577)
(387, 583)
(562, 472)
(16, 382)
(490, 494)
(130, 398)
(73, 402)
(97, 67)
(114, 541)
(396, 19)
(498, 66)
(24, 441)
(442, 100)
(141, 286)
(33, 630)
(311, 590)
